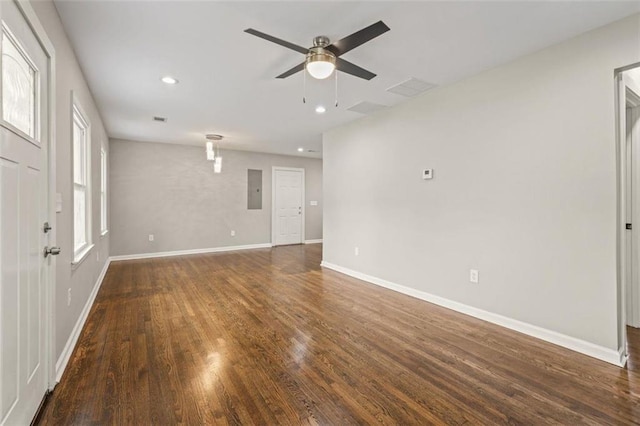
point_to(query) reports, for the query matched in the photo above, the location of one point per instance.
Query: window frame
(36, 124)
(79, 117)
(104, 181)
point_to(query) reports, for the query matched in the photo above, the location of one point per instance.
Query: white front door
(23, 211)
(288, 206)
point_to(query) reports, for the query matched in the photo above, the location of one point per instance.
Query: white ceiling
(227, 83)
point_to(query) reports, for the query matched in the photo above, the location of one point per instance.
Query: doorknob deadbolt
(46, 228)
(53, 251)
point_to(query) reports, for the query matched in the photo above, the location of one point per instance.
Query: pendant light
(213, 155)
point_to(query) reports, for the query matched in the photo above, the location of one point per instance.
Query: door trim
(273, 201)
(621, 214)
(622, 266)
(50, 280)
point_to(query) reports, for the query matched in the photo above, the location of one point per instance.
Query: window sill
(104, 233)
(81, 256)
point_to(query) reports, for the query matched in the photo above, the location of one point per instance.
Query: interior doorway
(628, 112)
(288, 213)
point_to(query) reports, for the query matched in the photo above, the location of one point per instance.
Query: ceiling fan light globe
(320, 70)
(320, 63)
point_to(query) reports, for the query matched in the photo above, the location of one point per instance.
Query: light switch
(313, 203)
(427, 174)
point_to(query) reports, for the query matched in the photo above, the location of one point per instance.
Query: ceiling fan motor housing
(318, 53)
(321, 41)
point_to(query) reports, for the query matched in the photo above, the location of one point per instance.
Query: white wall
(524, 188)
(82, 278)
(171, 191)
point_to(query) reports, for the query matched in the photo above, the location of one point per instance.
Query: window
(81, 187)
(18, 86)
(103, 191)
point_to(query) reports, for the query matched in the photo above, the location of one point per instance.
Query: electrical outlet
(151, 237)
(474, 276)
(356, 251)
(233, 233)
(69, 297)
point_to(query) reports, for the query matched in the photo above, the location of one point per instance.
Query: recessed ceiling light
(300, 149)
(169, 80)
(320, 109)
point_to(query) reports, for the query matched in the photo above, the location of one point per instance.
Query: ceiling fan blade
(349, 68)
(277, 41)
(292, 71)
(358, 38)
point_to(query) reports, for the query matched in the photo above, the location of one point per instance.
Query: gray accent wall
(80, 278)
(524, 188)
(171, 191)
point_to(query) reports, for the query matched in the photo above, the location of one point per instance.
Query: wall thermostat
(427, 174)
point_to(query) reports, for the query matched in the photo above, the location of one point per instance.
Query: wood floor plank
(269, 337)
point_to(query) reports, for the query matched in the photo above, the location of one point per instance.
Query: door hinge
(629, 226)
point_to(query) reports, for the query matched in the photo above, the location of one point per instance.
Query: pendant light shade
(211, 152)
(211, 155)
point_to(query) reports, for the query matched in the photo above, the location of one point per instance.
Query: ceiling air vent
(160, 119)
(411, 87)
(366, 107)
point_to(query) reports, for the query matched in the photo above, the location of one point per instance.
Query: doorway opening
(628, 114)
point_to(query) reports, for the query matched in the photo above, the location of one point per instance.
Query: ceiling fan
(324, 57)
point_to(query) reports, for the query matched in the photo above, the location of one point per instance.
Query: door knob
(53, 251)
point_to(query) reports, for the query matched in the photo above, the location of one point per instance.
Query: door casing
(622, 266)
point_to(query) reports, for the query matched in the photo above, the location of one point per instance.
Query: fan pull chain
(304, 84)
(336, 72)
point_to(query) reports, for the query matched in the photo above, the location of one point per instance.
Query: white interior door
(288, 206)
(633, 206)
(23, 205)
(631, 270)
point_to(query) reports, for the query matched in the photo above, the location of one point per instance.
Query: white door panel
(23, 202)
(288, 206)
(9, 293)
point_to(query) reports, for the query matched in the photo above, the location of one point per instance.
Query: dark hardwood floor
(268, 337)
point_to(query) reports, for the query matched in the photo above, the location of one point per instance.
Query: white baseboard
(313, 241)
(63, 360)
(186, 252)
(596, 351)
